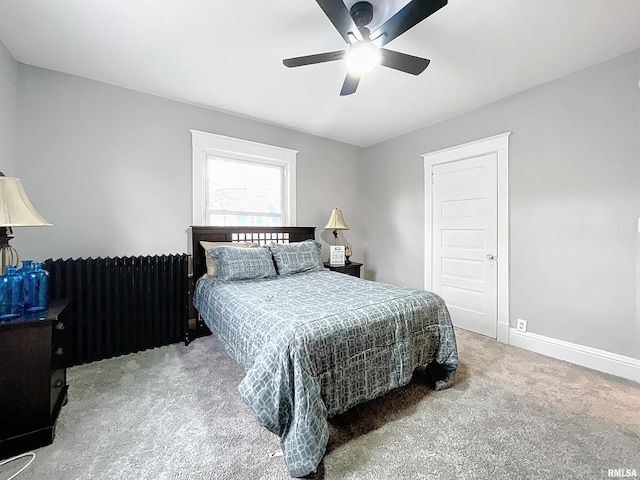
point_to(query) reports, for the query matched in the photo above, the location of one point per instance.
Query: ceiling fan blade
(311, 59)
(403, 62)
(409, 16)
(338, 14)
(350, 84)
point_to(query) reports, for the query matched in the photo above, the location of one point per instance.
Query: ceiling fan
(365, 47)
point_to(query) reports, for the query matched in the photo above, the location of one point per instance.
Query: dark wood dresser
(33, 378)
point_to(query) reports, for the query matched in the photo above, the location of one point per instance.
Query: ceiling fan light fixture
(362, 57)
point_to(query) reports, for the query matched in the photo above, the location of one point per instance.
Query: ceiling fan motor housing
(362, 13)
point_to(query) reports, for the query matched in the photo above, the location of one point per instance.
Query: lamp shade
(16, 210)
(336, 221)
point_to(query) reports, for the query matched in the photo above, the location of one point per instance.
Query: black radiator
(121, 305)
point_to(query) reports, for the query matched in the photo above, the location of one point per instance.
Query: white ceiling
(227, 55)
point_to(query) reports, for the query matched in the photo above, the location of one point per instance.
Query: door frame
(498, 144)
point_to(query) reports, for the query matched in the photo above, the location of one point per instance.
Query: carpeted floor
(175, 413)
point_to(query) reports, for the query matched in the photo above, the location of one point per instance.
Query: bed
(313, 342)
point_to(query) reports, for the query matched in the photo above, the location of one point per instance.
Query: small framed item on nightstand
(336, 256)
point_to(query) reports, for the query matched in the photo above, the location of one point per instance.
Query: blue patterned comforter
(315, 344)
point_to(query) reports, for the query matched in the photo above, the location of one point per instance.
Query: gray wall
(111, 168)
(8, 69)
(574, 197)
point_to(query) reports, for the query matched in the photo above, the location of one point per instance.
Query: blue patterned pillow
(243, 263)
(297, 257)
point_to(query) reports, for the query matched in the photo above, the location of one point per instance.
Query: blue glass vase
(27, 266)
(11, 302)
(36, 289)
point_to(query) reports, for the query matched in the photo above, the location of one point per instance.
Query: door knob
(490, 257)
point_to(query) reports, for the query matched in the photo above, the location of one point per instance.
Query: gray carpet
(175, 413)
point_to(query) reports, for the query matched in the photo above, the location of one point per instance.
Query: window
(237, 182)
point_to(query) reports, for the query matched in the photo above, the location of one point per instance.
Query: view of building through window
(244, 192)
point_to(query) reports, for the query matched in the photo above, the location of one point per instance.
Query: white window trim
(204, 143)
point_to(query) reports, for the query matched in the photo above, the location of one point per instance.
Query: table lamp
(16, 210)
(336, 222)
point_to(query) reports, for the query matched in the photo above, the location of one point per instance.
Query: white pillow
(211, 264)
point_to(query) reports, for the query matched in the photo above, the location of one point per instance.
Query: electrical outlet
(522, 325)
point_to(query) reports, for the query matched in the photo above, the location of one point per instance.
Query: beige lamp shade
(336, 221)
(16, 210)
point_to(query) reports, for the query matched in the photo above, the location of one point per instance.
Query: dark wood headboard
(260, 235)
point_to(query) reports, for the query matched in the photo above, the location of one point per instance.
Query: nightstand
(352, 269)
(33, 377)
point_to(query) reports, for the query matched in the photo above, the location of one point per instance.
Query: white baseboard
(601, 360)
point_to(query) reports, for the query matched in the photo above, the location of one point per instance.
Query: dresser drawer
(59, 331)
(61, 342)
(58, 352)
(58, 384)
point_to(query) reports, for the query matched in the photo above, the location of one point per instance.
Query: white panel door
(465, 241)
